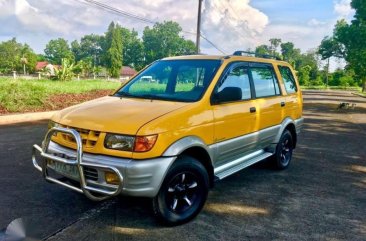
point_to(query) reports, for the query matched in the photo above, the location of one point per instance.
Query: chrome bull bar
(78, 161)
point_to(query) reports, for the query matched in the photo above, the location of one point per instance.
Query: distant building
(127, 73)
(47, 68)
(41, 65)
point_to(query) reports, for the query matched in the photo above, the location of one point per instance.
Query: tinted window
(175, 80)
(288, 79)
(264, 81)
(237, 77)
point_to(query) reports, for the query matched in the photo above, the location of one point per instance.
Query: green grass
(18, 95)
(323, 87)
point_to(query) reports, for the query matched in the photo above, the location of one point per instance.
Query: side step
(240, 163)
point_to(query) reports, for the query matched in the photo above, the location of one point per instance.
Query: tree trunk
(364, 85)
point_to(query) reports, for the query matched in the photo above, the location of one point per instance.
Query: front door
(235, 118)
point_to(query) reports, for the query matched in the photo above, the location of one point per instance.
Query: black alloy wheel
(183, 192)
(284, 151)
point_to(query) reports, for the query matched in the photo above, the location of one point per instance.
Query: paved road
(322, 196)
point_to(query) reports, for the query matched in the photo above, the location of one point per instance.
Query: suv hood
(115, 115)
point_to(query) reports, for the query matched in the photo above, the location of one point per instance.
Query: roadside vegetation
(103, 55)
(32, 95)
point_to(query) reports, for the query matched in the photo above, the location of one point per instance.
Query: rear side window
(265, 82)
(288, 79)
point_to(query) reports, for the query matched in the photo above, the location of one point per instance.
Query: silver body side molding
(230, 156)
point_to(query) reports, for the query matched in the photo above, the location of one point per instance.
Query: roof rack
(248, 53)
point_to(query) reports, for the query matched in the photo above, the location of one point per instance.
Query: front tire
(183, 192)
(284, 149)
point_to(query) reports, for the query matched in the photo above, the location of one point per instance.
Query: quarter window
(288, 79)
(265, 83)
(237, 77)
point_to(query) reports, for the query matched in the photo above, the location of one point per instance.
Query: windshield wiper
(125, 94)
(142, 96)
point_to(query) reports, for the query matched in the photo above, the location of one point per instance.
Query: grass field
(18, 95)
(323, 87)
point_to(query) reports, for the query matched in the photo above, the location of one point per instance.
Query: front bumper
(136, 177)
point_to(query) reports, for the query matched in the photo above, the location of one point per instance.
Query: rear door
(293, 97)
(269, 101)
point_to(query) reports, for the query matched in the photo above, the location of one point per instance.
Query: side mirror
(228, 94)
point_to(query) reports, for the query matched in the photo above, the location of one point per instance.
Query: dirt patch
(61, 101)
(3, 111)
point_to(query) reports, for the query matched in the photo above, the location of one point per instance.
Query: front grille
(90, 173)
(88, 137)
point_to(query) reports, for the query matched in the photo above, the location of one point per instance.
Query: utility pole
(198, 36)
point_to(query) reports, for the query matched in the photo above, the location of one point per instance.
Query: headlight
(118, 142)
(130, 143)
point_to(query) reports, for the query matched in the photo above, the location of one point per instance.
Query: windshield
(175, 80)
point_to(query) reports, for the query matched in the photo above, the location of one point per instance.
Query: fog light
(111, 178)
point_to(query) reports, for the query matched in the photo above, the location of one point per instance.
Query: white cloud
(23, 17)
(230, 24)
(343, 8)
(315, 22)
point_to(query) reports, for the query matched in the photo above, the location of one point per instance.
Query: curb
(27, 117)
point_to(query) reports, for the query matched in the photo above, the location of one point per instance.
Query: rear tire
(183, 192)
(284, 149)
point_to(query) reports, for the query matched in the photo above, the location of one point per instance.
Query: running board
(240, 163)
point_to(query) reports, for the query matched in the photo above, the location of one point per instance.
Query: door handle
(283, 104)
(252, 109)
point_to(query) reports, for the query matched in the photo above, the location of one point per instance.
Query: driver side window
(238, 77)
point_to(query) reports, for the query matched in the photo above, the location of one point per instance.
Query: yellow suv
(175, 128)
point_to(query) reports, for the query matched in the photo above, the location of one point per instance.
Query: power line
(213, 45)
(124, 13)
(134, 16)
(237, 31)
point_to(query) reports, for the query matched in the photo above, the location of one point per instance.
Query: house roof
(127, 71)
(41, 65)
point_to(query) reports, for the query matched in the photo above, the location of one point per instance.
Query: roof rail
(266, 56)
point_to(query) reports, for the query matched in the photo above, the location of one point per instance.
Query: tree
(133, 49)
(90, 47)
(275, 43)
(290, 53)
(304, 73)
(262, 50)
(352, 38)
(30, 59)
(65, 72)
(58, 49)
(328, 48)
(15, 56)
(114, 49)
(163, 40)
(310, 59)
(75, 49)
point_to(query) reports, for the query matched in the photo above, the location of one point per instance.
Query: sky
(230, 24)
